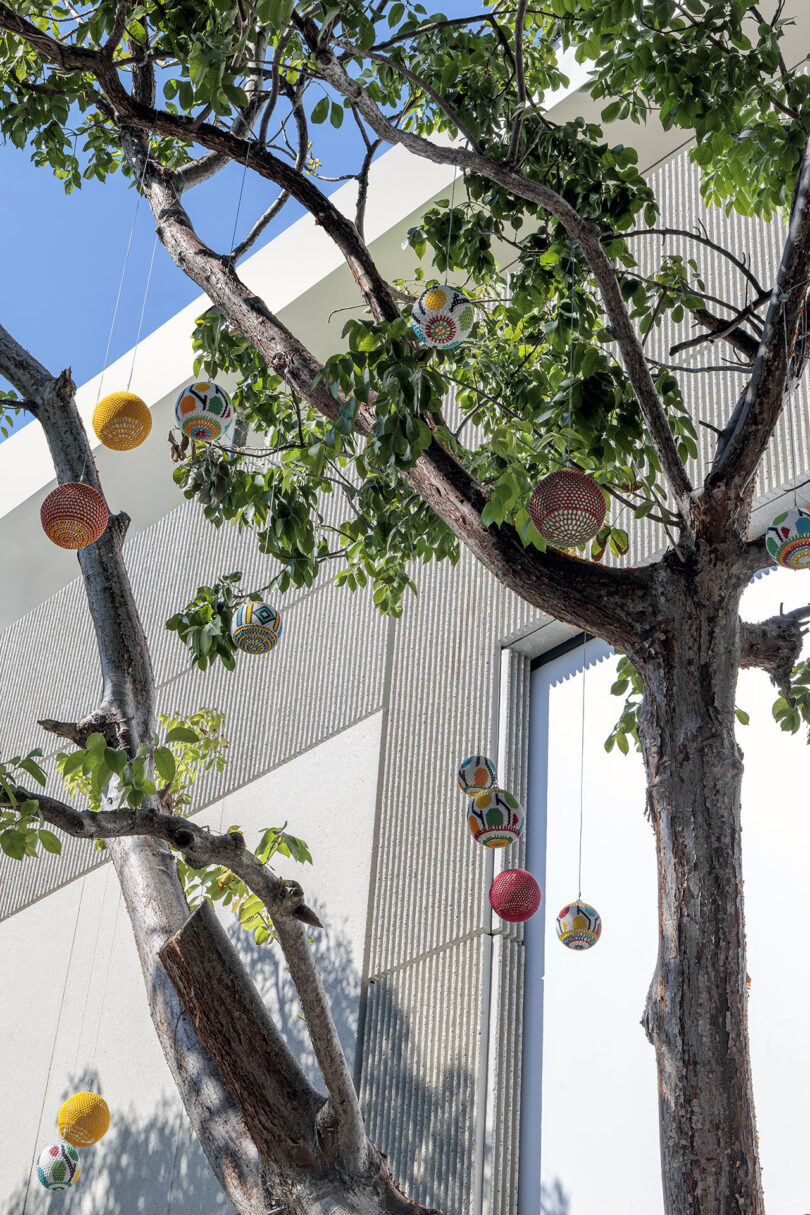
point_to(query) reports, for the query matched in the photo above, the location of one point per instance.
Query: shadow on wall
(152, 1166)
(554, 1200)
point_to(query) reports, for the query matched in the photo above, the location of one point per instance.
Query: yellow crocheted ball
(122, 421)
(84, 1119)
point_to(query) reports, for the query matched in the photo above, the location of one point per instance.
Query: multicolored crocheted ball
(495, 817)
(74, 515)
(84, 1119)
(788, 539)
(475, 773)
(122, 421)
(515, 895)
(58, 1167)
(442, 317)
(567, 508)
(579, 926)
(256, 627)
(204, 411)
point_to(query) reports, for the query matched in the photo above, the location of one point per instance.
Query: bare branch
(700, 239)
(520, 73)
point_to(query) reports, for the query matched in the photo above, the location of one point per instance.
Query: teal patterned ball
(442, 317)
(256, 627)
(475, 773)
(58, 1166)
(204, 411)
(788, 539)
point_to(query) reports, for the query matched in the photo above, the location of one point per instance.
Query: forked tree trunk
(696, 1014)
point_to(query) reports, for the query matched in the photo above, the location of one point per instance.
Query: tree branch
(740, 450)
(774, 645)
(727, 329)
(520, 80)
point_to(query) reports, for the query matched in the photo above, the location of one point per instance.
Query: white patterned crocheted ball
(204, 411)
(788, 539)
(495, 818)
(579, 926)
(58, 1166)
(442, 317)
(475, 773)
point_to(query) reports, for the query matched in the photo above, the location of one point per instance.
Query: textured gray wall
(440, 1078)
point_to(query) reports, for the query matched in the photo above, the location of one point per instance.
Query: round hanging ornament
(515, 895)
(204, 411)
(84, 1119)
(122, 421)
(567, 508)
(475, 773)
(74, 515)
(579, 926)
(495, 818)
(58, 1167)
(256, 627)
(788, 539)
(442, 317)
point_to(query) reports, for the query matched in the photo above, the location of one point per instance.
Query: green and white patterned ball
(256, 627)
(495, 818)
(475, 773)
(58, 1167)
(788, 539)
(204, 411)
(442, 317)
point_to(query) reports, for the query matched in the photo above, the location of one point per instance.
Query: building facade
(468, 1057)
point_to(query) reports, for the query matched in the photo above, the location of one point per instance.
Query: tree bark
(696, 1014)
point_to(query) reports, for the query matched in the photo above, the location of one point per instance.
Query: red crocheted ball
(74, 515)
(515, 895)
(567, 508)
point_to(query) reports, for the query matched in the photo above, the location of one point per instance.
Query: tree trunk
(696, 1014)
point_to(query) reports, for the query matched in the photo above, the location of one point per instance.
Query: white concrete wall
(73, 1012)
(600, 1152)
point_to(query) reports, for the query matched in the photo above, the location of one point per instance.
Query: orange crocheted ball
(74, 515)
(122, 421)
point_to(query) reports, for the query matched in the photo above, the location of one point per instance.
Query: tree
(557, 371)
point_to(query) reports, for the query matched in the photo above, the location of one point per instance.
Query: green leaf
(49, 841)
(96, 742)
(320, 111)
(182, 734)
(165, 763)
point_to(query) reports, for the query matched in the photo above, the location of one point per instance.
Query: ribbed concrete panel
(431, 874)
(419, 1086)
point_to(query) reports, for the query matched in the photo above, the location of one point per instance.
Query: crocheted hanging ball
(122, 421)
(84, 1119)
(788, 539)
(495, 817)
(58, 1167)
(74, 515)
(442, 317)
(579, 926)
(256, 627)
(515, 895)
(567, 508)
(476, 773)
(203, 411)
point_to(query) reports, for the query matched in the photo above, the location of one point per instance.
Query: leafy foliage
(22, 829)
(218, 884)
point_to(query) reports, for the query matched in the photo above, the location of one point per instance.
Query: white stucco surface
(73, 1013)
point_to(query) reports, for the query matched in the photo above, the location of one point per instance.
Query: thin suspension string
(229, 259)
(80, 1034)
(582, 764)
(143, 311)
(106, 976)
(68, 971)
(450, 227)
(126, 260)
(570, 364)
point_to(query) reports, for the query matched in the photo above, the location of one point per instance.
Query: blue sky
(61, 256)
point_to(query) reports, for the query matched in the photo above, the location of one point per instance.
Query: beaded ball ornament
(74, 515)
(475, 773)
(788, 539)
(203, 411)
(515, 895)
(84, 1119)
(579, 926)
(256, 627)
(122, 421)
(495, 818)
(58, 1167)
(442, 317)
(567, 508)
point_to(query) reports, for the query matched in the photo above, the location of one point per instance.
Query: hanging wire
(570, 362)
(143, 310)
(450, 227)
(229, 259)
(582, 764)
(68, 971)
(106, 976)
(126, 260)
